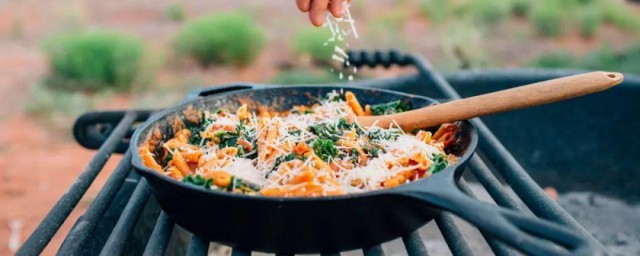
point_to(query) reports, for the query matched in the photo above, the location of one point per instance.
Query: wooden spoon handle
(511, 99)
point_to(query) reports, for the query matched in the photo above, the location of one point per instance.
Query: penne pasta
(309, 150)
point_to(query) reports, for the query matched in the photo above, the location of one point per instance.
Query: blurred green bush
(93, 60)
(489, 12)
(589, 20)
(175, 12)
(301, 76)
(619, 14)
(558, 59)
(606, 58)
(520, 8)
(436, 10)
(547, 16)
(311, 41)
(603, 58)
(231, 38)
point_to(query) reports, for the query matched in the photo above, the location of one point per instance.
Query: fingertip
(303, 5)
(336, 8)
(316, 19)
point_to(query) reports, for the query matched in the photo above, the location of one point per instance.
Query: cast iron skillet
(339, 223)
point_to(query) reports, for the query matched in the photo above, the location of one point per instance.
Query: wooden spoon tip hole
(614, 76)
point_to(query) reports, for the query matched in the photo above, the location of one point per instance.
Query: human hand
(317, 8)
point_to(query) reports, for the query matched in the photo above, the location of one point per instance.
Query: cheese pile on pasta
(306, 151)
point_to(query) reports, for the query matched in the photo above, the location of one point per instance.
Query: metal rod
(452, 235)
(239, 252)
(61, 210)
(81, 232)
(160, 236)
(375, 250)
(519, 180)
(414, 245)
(330, 254)
(496, 246)
(119, 236)
(198, 247)
(492, 184)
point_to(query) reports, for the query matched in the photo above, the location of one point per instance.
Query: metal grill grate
(91, 233)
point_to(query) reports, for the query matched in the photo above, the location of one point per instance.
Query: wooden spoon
(506, 100)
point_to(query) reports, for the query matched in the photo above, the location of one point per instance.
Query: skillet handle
(208, 91)
(91, 129)
(522, 232)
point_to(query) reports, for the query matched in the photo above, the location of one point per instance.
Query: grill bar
(160, 236)
(61, 210)
(497, 247)
(85, 226)
(414, 245)
(238, 252)
(452, 235)
(198, 247)
(375, 250)
(120, 234)
(499, 194)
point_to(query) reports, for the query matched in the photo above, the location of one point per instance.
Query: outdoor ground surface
(39, 159)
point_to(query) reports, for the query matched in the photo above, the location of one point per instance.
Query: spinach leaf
(325, 131)
(372, 151)
(383, 134)
(240, 184)
(227, 139)
(325, 149)
(389, 108)
(283, 159)
(439, 163)
(196, 128)
(198, 180)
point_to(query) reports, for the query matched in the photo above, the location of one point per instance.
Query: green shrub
(547, 17)
(299, 76)
(589, 20)
(560, 59)
(311, 41)
(605, 58)
(520, 8)
(93, 60)
(228, 38)
(489, 11)
(620, 15)
(175, 12)
(436, 10)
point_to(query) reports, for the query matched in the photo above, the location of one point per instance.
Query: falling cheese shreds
(341, 29)
(340, 51)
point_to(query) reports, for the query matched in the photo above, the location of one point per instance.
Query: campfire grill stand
(114, 214)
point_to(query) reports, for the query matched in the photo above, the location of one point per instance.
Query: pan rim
(144, 171)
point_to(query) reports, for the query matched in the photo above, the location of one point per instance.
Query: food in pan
(306, 151)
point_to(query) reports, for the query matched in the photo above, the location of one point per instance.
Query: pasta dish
(306, 151)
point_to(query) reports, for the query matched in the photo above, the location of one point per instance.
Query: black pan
(338, 223)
